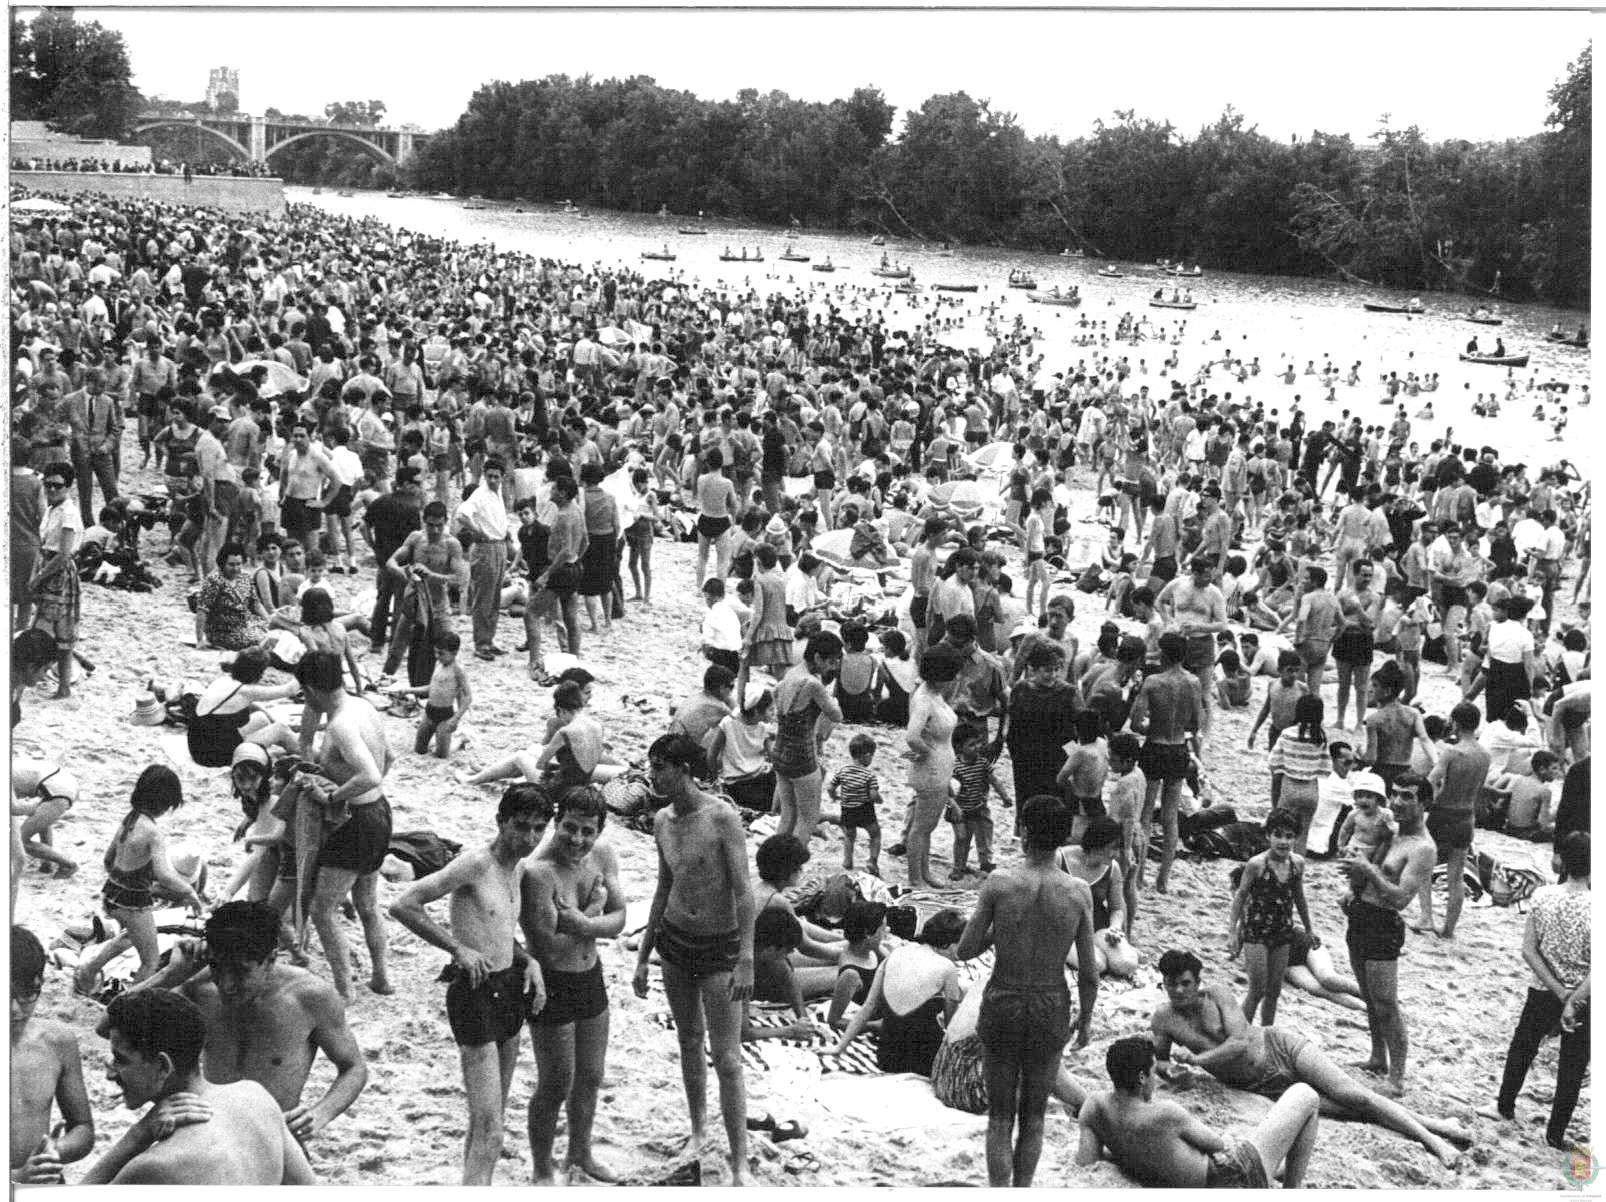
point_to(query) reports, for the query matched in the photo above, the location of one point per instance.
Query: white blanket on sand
(896, 1102)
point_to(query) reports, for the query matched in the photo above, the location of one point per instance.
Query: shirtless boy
(570, 897)
(46, 1070)
(1208, 1024)
(198, 1133)
(1167, 712)
(1032, 914)
(701, 924)
(1161, 1144)
(490, 975)
(265, 1021)
(717, 508)
(1194, 607)
(301, 483)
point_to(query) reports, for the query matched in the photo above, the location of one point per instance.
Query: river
(1275, 318)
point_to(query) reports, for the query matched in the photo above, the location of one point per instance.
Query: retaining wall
(240, 194)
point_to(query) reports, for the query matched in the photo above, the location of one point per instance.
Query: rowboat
(1194, 274)
(1374, 307)
(878, 240)
(908, 288)
(826, 266)
(957, 287)
(691, 230)
(661, 255)
(1497, 360)
(791, 256)
(1110, 273)
(1068, 299)
(1068, 253)
(891, 273)
(1020, 279)
(744, 257)
(1165, 304)
(345, 192)
(1566, 340)
(1485, 319)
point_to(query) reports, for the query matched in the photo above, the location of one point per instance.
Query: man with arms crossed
(1032, 914)
(198, 1133)
(490, 975)
(1161, 1144)
(265, 1021)
(570, 898)
(1208, 1023)
(701, 924)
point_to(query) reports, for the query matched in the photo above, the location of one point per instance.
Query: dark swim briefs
(572, 997)
(1019, 1022)
(697, 955)
(298, 518)
(1374, 933)
(710, 527)
(362, 842)
(1451, 829)
(1237, 1166)
(490, 1012)
(1164, 761)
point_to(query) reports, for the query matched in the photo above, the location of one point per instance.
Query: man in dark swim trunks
(1167, 711)
(701, 924)
(494, 984)
(1032, 914)
(1161, 1144)
(570, 897)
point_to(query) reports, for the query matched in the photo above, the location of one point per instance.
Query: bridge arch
(379, 152)
(179, 123)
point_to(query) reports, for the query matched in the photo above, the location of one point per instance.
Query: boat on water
(825, 266)
(878, 240)
(1192, 273)
(475, 204)
(892, 273)
(1376, 307)
(1068, 253)
(1111, 273)
(1068, 299)
(1165, 304)
(1496, 360)
(1485, 319)
(1581, 341)
(398, 195)
(665, 256)
(345, 192)
(957, 287)
(1019, 279)
(908, 287)
(691, 231)
(756, 257)
(791, 256)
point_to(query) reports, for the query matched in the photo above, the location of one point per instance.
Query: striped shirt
(1298, 759)
(856, 788)
(972, 776)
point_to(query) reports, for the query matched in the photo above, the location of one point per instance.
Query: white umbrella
(280, 379)
(995, 456)
(613, 336)
(39, 204)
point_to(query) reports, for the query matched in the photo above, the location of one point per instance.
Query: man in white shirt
(483, 526)
(220, 485)
(722, 627)
(337, 506)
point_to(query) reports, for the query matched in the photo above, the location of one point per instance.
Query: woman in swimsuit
(865, 926)
(228, 712)
(137, 866)
(915, 993)
(1261, 921)
(931, 755)
(856, 683)
(801, 700)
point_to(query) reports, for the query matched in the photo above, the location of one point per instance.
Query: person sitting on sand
(197, 1133)
(1208, 1024)
(779, 862)
(915, 993)
(229, 712)
(1162, 1144)
(571, 755)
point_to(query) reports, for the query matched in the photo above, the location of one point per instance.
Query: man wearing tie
(96, 422)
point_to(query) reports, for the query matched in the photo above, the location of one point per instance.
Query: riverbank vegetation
(1504, 218)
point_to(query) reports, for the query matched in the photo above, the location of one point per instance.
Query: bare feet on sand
(1376, 1067)
(592, 1169)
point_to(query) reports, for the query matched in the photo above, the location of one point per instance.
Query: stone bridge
(257, 139)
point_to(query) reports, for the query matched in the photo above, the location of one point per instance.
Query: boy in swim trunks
(493, 983)
(570, 897)
(1162, 1144)
(701, 925)
(447, 697)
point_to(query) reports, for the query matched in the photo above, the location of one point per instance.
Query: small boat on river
(791, 255)
(1022, 279)
(957, 287)
(1485, 318)
(1497, 360)
(663, 256)
(1111, 273)
(1377, 307)
(1056, 297)
(825, 266)
(1165, 304)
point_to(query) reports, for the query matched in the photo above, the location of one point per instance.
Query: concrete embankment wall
(239, 194)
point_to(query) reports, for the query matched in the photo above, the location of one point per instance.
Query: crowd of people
(141, 166)
(492, 435)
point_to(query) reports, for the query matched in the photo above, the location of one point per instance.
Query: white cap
(1367, 782)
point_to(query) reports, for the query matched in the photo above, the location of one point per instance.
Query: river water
(1275, 318)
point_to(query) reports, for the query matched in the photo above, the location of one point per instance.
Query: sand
(1461, 998)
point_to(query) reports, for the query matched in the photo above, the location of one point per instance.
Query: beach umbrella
(279, 380)
(39, 204)
(613, 336)
(994, 457)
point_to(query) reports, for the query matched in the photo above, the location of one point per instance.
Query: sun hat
(1367, 782)
(250, 753)
(148, 711)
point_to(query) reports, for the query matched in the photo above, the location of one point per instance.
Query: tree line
(1506, 218)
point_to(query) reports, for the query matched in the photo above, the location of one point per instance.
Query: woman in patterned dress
(55, 581)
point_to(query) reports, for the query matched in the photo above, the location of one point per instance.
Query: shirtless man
(1032, 914)
(1209, 1025)
(716, 510)
(46, 1070)
(198, 1133)
(1376, 931)
(1196, 609)
(701, 924)
(355, 756)
(301, 484)
(1166, 711)
(490, 975)
(570, 898)
(1161, 1144)
(429, 560)
(265, 1022)
(923, 577)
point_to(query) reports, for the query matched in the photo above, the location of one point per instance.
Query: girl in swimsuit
(801, 700)
(865, 925)
(137, 865)
(931, 755)
(1261, 921)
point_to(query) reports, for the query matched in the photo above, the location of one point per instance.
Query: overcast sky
(1455, 74)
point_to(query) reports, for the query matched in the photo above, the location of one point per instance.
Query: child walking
(855, 789)
(1261, 923)
(1297, 763)
(975, 772)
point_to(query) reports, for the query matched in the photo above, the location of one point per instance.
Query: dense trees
(1509, 218)
(75, 76)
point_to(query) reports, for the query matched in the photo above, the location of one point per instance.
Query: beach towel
(310, 824)
(896, 1102)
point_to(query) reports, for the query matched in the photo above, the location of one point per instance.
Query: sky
(1455, 74)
